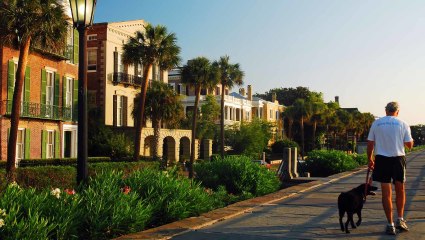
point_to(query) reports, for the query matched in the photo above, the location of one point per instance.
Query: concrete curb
(189, 224)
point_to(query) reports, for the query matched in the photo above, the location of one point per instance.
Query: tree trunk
(222, 122)
(156, 129)
(314, 134)
(139, 122)
(302, 137)
(16, 109)
(194, 118)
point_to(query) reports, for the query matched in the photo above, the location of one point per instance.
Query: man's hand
(371, 164)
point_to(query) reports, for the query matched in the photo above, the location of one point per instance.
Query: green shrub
(322, 163)
(108, 211)
(280, 145)
(238, 174)
(171, 197)
(361, 159)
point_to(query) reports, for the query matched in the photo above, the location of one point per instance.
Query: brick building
(47, 127)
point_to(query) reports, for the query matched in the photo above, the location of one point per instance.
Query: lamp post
(82, 16)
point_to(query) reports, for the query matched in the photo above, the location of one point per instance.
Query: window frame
(50, 147)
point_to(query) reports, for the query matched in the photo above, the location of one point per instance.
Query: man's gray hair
(392, 107)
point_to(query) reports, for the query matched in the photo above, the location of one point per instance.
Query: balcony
(126, 79)
(40, 111)
(67, 53)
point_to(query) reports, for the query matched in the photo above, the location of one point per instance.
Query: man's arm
(370, 148)
(409, 145)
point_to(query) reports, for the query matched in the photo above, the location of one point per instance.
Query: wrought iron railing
(42, 111)
(124, 78)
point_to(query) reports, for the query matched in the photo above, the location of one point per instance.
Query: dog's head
(369, 188)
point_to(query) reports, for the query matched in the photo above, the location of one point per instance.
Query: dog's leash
(368, 181)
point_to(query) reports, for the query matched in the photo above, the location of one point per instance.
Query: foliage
(280, 145)
(418, 134)
(238, 174)
(210, 111)
(103, 141)
(172, 198)
(322, 163)
(65, 176)
(287, 96)
(250, 138)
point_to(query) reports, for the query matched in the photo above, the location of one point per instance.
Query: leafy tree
(230, 74)
(198, 73)
(25, 24)
(288, 96)
(210, 111)
(103, 141)
(154, 46)
(162, 105)
(250, 138)
(302, 112)
(318, 110)
(418, 134)
(289, 114)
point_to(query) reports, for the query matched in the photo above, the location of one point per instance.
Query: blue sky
(366, 52)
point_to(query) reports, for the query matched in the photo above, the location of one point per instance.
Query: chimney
(274, 96)
(249, 92)
(242, 91)
(337, 99)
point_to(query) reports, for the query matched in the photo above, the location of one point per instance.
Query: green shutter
(43, 143)
(75, 98)
(43, 86)
(56, 96)
(57, 144)
(27, 143)
(27, 84)
(76, 44)
(64, 91)
(10, 85)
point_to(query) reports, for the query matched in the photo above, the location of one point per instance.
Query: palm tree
(303, 113)
(318, 109)
(198, 73)
(289, 114)
(25, 24)
(162, 105)
(230, 74)
(154, 46)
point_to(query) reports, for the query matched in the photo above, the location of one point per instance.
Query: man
(387, 138)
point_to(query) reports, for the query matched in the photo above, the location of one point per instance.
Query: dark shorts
(387, 168)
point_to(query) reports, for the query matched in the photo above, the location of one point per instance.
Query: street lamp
(82, 16)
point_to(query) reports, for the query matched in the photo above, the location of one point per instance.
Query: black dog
(352, 202)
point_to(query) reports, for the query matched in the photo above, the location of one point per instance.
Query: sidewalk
(304, 211)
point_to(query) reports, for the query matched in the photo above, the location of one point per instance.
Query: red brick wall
(37, 62)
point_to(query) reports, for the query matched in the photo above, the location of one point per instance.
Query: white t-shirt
(389, 134)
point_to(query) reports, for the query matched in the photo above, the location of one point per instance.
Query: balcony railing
(42, 111)
(126, 79)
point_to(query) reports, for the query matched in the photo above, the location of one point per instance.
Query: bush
(280, 145)
(322, 163)
(171, 197)
(109, 206)
(238, 174)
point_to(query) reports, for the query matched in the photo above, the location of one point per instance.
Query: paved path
(306, 211)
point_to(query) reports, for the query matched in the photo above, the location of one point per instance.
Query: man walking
(385, 150)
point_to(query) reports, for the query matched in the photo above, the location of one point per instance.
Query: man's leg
(400, 198)
(387, 201)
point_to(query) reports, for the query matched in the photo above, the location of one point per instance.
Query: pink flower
(69, 191)
(126, 189)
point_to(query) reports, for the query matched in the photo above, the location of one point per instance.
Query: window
(20, 145)
(68, 94)
(119, 110)
(50, 144)
(120, 104)
(92, 37)
(50, 82)
(92, 59)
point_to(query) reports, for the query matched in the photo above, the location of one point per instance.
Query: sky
(366, 52)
